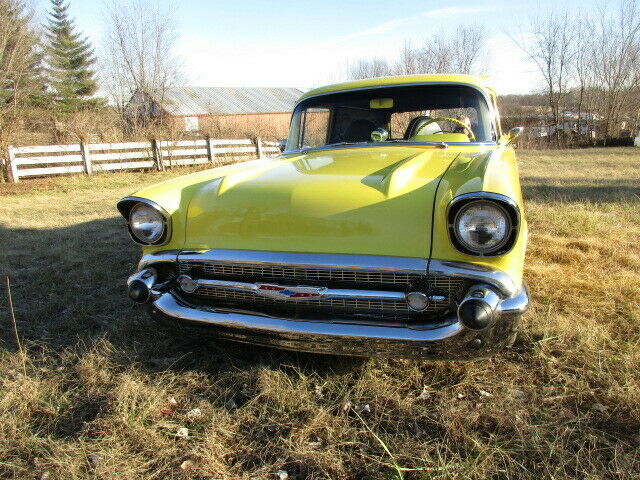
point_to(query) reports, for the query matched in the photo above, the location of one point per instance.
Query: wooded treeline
(590, 64)
(52, 81)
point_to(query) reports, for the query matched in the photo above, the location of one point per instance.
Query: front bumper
(450, 341)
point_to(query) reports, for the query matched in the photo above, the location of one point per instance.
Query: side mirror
(380, 134)
(282, 144)
(512, 135)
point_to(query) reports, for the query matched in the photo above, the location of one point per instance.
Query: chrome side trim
(166, 237)
(311, 260)
(496, 278)
(323, 292)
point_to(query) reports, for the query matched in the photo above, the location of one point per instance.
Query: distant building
(539, 123)
(217, 110)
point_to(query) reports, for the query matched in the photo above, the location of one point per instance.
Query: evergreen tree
(70, 58)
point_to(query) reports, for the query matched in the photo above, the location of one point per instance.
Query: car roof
(473, 80)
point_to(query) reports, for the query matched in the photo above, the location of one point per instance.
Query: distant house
(538, 122)
(217, 109)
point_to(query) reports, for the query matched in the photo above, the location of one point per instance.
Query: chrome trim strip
(158, 257)
(487, 99)
(496, 278)
(322, 291)
(166, 237)
(309, 260)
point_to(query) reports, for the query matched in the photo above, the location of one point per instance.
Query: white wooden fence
(88, 158)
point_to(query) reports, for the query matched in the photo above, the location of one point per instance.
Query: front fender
(174, 196)
(494, 171)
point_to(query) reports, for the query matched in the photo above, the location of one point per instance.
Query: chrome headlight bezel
(127, 205)
(503, 203)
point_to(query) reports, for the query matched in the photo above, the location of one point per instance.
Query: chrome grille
(350, 304)
(452, 288)
(279, 272)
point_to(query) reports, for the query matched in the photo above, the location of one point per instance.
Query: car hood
(375, 201)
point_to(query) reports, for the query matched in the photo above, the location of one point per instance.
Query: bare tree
(409, 61)
(616, 54)
(551, 48)
(584, 77)
(435, 56)
(363, 68)
(140, 43)
(458, 52)
(467, 46)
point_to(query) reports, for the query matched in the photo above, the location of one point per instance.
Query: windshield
(423, 113)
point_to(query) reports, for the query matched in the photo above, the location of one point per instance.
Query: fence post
(210, 155)
(86, 158)
(157, 155)
(12, 167)
(259, 150)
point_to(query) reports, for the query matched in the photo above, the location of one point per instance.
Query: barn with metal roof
(207, 109)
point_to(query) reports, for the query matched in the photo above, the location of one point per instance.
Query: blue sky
(309, 43)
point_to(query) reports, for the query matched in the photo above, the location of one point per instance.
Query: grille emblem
(293, 293)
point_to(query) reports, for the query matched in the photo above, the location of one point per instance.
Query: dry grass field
(102, 394)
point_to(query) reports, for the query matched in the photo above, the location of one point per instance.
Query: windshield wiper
(337, 144)
(343, 143)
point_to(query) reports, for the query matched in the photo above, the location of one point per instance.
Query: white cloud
(391, 24)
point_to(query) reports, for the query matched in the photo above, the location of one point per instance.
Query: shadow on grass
(544, 190)
(69, 291)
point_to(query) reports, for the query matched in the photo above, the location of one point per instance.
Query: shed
(218, 110)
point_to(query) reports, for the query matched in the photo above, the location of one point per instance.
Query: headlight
(146, 223)
(482, 226)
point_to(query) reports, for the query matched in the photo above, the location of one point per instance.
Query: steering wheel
(470, 134)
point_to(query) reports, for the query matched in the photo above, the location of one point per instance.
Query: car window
(412, 113)
(315, 124)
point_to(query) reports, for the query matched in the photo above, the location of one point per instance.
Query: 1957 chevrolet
(391, 224)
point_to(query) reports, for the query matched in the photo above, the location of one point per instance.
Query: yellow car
(391, 224)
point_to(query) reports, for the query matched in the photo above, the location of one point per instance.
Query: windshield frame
(495, 132)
